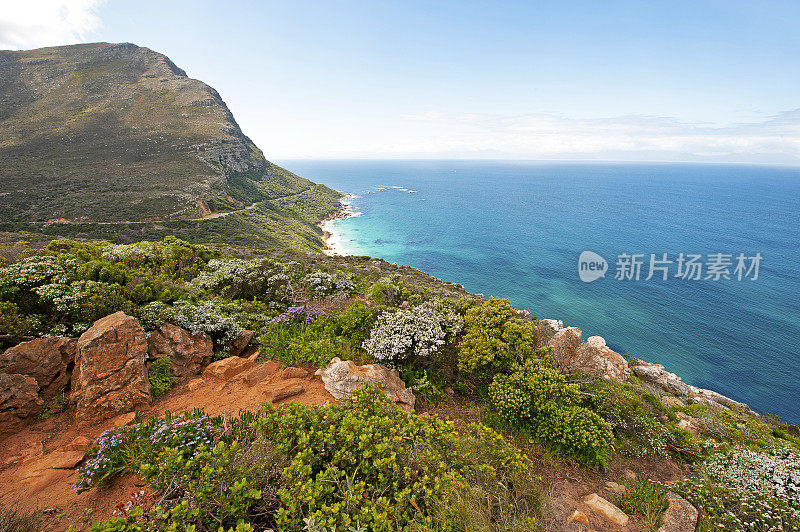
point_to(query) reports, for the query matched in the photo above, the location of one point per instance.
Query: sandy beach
(331, 237)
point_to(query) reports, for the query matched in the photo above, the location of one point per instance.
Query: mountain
(115, 140)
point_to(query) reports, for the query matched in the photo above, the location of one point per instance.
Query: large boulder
(110, 375)
(592, 357)
(48, 360)
(188, 353)
(19, 401)
(343, 377)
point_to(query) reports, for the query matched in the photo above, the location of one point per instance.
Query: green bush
(494, 338)
(160, 375)
(390, 291)
(363, 463)
(538, 398)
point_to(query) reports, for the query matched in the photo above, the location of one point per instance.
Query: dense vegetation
(365, 465)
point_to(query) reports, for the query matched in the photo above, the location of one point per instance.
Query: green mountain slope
(114, 140)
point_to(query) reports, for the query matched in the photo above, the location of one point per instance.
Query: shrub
(417, 331)
(390, 291)
(537, 397)
(160, 375)
(15, 323)
(494, 338)
(363, 464)
(129, 448)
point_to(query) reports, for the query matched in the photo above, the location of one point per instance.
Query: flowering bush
(322, 284)
(124, 449)
(307, 315)
(494, 338)
(206, 316)
(538, 398)
(419, 331)
(262, 279)
(723, 507)
(84, 301)
(776, 472)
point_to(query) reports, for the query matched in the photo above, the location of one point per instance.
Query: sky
(642, 80)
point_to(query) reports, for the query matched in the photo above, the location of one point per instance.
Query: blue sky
(617, 80)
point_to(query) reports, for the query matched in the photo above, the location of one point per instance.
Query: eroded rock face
(592, 357)
(188, 353)
(110, 375)
(680, 516)
(597, 359)
(19, 401)
(343, 377)
(48, 360)
(565, 345)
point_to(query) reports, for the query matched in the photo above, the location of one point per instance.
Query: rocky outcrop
(662, 381)
(228, 368)
(188, 353)
(19, 401)
(48, 360)
(343, 377)
(110, 376)
(656, 375)
(592, 357)
(680, 516)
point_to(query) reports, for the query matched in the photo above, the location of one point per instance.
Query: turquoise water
(516, 230)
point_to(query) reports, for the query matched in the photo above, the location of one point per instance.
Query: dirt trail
(37, 465)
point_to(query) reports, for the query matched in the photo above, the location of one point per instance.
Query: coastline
(330, 236)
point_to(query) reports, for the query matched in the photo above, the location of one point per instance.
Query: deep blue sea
(516, 230)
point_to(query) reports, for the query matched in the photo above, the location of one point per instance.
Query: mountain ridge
(118, 133)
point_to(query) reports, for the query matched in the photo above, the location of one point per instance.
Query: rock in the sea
(229, 367)
(606, 509)
(188, 353)
(110, 375)
(680, 516)
(48, 360)
(19, 401)
(343, 377)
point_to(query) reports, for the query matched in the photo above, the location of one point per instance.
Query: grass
(17, 520)
(645, 499)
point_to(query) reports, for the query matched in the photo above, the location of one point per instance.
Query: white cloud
(634, 137)
(26, 24)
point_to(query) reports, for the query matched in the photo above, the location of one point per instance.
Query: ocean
(517, 229)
